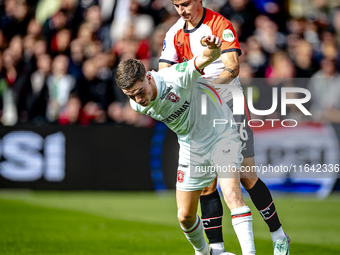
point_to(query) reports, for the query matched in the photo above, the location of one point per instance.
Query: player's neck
(195, 21)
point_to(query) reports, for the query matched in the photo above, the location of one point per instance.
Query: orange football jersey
(182, 45)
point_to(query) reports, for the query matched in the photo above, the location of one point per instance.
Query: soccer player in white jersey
(173, 95)
(183, 42)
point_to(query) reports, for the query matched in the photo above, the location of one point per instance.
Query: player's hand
(212, 41)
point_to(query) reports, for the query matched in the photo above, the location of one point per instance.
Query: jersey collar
(198, 25)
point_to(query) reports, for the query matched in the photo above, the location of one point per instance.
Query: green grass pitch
(81, 223)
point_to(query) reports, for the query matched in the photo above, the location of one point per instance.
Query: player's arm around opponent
(231, 70)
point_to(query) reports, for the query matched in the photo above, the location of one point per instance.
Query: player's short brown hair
(129, 72)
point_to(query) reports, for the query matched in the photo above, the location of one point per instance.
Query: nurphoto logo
(238, 105)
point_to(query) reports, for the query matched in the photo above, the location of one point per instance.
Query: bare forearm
(228, 75)
(231, 70)
(210, 53)
(209, 56)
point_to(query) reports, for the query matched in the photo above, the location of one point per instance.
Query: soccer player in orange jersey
(184, 41)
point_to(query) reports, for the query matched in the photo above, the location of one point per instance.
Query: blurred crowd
(58, 57)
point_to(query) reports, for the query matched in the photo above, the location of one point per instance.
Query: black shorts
(246, 132)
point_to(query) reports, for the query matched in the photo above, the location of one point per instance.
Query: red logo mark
(173, 97)
(180, 176)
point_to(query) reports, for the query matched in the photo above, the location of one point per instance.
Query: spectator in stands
(130, 15)
(60, 43)
(34, 28)
(95, 89)
(256, 57)
(325, 89)
(92, 16)
(28, 45)
(37, 94)
(116, 112)
(157, 44)
(302, 58)
(40, 47)
(76, 59)
(18, 66)
(52, 25)
(71, 114)
(279, 74)
(15, 18)
(60, 86)
(267, 34)
(7, 92)
(244, 13)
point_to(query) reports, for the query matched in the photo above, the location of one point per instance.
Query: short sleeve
(169, 54)
(183, 74)
(228, 36)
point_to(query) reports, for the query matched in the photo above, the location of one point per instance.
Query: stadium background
(65, 127)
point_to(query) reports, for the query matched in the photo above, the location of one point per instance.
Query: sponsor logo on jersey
(177, 113)
(202, 42)
(228, 35)
(166, 92)
(184, 166)
(173, 97)
(164, 45)
(180, 176)
(181, 67)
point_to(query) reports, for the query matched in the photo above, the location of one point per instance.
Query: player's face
(142, 92)
(189, 10)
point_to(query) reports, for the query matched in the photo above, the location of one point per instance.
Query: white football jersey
(178, 104)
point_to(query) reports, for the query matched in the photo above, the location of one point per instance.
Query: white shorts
(197, 171)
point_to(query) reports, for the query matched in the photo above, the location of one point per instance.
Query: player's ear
(148, 76)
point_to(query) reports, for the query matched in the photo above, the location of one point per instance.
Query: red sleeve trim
(200, 71)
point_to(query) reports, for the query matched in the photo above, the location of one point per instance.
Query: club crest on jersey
(228, 35)
(180, 176)
(202, 42)
(173, 97)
